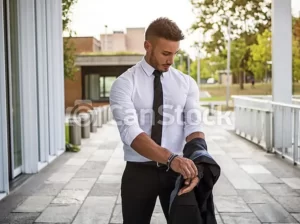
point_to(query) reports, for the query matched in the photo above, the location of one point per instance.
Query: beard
(155, 63)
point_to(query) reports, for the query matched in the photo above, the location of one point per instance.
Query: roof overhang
(107, 60)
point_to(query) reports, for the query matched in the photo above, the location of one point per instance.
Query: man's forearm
(145, 146)
(195, 135)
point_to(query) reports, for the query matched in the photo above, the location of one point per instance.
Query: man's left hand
(190, 184)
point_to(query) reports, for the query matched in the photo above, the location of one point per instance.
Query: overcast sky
(90, 16)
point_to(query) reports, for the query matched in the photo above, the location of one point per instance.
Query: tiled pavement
(83, 188)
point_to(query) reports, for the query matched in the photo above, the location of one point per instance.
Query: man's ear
(147, 46)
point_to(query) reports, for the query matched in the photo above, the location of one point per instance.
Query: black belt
(151, 163)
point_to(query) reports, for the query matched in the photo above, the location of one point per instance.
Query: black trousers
(141, 184)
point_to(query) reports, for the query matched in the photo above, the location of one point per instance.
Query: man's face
(161, 53)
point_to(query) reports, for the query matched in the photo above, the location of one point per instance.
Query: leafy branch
(69, 48)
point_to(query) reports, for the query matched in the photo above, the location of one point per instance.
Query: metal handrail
(264, 129)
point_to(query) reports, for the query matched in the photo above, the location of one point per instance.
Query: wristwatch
(170, 159)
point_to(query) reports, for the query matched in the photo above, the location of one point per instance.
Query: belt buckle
(158, 164)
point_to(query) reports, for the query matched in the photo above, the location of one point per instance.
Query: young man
(156, 108)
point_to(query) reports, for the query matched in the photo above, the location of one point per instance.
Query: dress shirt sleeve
(192, 112)
(123, 110)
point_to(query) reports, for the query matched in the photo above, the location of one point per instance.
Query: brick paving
(255, 187)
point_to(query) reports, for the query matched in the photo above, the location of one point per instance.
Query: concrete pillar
(59, 73)
(55, 76)
(94, 86)
(28, 84)
(42, 79)
(51, 78)
(4, 186)
(282, 68)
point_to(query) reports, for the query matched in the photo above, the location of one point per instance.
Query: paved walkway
(83, 187)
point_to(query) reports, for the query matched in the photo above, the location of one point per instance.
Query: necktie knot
(157, 73)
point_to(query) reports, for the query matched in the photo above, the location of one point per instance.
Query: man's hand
(190, 184)
(185, 167)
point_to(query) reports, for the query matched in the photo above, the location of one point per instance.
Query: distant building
(131, 41)
(85, 44)
(97, 72)
(223, 77)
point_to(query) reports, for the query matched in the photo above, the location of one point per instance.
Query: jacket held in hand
(197, 206)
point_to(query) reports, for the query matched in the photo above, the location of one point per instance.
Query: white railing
(272, 125)
(296, 101)
(253, 120)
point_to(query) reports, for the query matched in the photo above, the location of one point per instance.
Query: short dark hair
(164, 28)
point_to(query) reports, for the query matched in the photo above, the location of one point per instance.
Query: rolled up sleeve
(123, 110)
(192, 112)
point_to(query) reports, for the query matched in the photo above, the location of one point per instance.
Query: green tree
(260, 55)
(296, 61)
(69, 48)
(296, 49)
(247, 18)
(206, 70)
(181, 61)
(238, 59)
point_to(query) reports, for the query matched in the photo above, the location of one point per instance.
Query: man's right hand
(185, 167)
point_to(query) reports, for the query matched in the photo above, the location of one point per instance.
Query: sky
(89, 17)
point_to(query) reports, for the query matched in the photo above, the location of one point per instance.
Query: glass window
(96, 87)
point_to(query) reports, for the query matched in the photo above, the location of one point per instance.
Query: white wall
(37, 62)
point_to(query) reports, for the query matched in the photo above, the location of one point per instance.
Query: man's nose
(170, 60)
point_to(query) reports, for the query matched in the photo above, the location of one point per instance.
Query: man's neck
(147, 59)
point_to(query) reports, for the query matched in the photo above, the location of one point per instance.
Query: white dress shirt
(131, 100)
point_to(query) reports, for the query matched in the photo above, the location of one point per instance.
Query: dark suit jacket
(197, 206)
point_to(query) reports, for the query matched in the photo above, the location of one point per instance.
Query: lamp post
(228, 61)
(188, 65)
(105, 41)
(198, 68)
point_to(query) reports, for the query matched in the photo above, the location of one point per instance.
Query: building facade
(92, 82)
(95, 76)
(31, 87)
(84, 44)
(118, 41)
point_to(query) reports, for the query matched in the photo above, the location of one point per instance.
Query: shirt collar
(148, 69)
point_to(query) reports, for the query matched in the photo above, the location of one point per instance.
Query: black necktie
(156, 132)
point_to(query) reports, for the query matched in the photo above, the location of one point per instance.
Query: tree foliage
(181, 61)
(246, 17)
(69, 48)
(206, 69)
(296, 49)
(296, 60)
(260, 55)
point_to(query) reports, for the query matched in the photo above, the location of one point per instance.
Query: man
(153, 143)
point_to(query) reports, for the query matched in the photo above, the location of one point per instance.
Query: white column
(28, 84)
(3, 116)
(282, 51)
(42, 79)
(52, 88)
(55, 76)
(61, 74)
(59, 78)
(282, 67)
